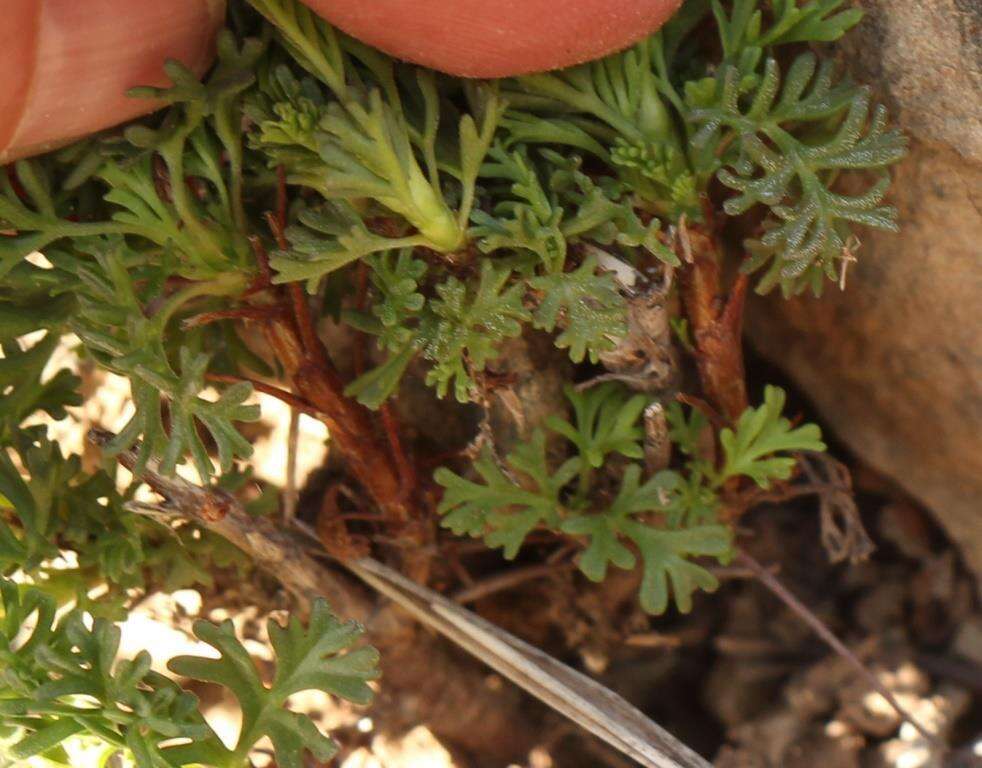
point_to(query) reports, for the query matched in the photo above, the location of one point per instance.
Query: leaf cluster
(458, 325)
(62, 679)
(388, 159)
(361, 130)
(668, 518)
(805, 240)
(670, 119)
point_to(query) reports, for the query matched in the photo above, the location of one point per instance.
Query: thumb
(67, 64)
(495, 38)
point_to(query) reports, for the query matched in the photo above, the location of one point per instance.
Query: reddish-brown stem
(334, 534)
(717, 324)
(301, 309)
(176, 282)
(704, 407)
(305, 324)
(507, 580)
(161, 179)
(265, 277)
(299, 349)
(407, 472)
(350, 423)
(268, 389)
(278, 230)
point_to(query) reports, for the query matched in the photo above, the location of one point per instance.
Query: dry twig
(843, 534)
(510, 578)
(765, 577)
(291, 495)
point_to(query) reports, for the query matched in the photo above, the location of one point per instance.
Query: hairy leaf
(470, 322)
(792, 173)
(587, 306)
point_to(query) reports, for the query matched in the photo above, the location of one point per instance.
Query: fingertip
(477, 38)
(78, 60)
(18, 44)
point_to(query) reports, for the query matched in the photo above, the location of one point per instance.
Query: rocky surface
(894, 363)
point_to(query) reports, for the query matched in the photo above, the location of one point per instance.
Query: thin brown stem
(265, 277)
(407, 472)
(731, 572)
(350, 423)
(765, 577)
(306, 326)
(334, 534)
(299, 349)
(704, 407)
(268, 389)
(752, 497)
(278, 230)
(507, 580)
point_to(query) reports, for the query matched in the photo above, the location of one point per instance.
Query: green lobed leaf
(606, 421)
(751, 447)
(667, 568)
(55, 671)
(374, 135)
(775, 163)
(471, 320)
(319, 657)
(587, 306)
(505, 508)
(529, 221)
